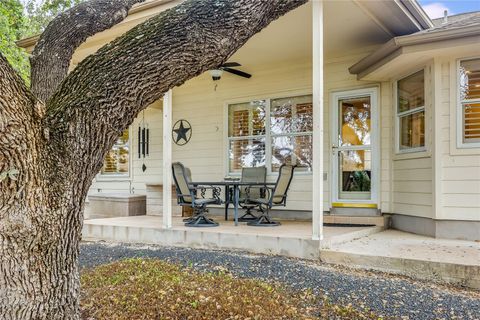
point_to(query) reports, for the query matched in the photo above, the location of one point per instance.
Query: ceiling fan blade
(238, 73)
(230, 64)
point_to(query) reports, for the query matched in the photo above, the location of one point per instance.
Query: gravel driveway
(386, 295)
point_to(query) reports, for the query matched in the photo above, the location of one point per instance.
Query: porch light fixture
(216, 74)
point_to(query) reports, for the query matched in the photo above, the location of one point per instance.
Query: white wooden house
(385, 103)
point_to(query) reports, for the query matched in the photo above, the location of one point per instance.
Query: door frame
(375, 145)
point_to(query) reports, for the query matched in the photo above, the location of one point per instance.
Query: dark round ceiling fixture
(227, 67)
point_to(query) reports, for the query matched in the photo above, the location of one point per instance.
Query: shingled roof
(456, 21)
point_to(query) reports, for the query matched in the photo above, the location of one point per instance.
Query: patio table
(236, 192)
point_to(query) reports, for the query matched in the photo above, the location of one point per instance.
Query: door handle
(334, 149)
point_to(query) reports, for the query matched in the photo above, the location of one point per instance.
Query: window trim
(459, 114)
(116, 176)
(398, 115)
(268, 135)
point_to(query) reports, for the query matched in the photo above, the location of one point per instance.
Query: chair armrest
(184, 195)
(265, 190)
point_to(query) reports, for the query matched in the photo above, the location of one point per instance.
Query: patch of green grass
(154, 289)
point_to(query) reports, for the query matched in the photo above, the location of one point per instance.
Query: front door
(354, 148)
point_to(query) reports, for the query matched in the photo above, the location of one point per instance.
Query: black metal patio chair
(187, 195)
(251, 175)
(275, 196)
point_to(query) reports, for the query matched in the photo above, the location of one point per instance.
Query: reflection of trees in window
(117, 159)
(463, 82)
(258, 122)
(247, 153)
(356, 115)
(411, 111)
(290, 124)
(293, 150)
(357, 181)
(356, 170)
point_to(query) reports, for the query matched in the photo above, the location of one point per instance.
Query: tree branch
(17, 106)
(106, 91)
(52, 54)
(20, 131)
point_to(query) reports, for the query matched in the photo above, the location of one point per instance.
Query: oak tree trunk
(53, 139)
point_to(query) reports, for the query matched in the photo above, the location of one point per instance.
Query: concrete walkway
(452, 261)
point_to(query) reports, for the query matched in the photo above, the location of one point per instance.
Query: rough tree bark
(50, 152)
(64, 34)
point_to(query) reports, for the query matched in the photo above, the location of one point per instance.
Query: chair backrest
(253, 175)
(181, 177)
(285, 175)
(188, 174)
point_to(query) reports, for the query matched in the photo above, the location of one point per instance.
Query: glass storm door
(353, 147)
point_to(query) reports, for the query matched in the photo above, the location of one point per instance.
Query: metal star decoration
(183, 131)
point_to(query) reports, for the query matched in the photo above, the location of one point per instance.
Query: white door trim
(375, 140)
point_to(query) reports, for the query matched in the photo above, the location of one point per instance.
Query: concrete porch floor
(292, 238)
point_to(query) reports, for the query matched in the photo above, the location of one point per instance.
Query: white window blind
(117, 161)
(470, 100)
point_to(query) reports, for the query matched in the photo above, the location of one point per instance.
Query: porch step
(330, 242)
(378, 221)
(148, 230)
(355, 211)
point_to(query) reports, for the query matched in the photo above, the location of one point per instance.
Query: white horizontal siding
(198, 102)
(407, 186)
(452, 187)
(412, 190)
(412, 187)
(412, 174)
(460, 169)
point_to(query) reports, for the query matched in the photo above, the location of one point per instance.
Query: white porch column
(317, 189)
(167, 160)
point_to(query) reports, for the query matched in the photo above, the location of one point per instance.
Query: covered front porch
(299, 63)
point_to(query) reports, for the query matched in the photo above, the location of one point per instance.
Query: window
(117, 161)
(270, 132)
(470, 101)
(246, 132)
(291, 126)
(411, 113)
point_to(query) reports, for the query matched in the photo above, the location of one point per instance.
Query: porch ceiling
(349, 25)
(347, 29)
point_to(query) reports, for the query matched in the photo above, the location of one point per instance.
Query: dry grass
(153, 289)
